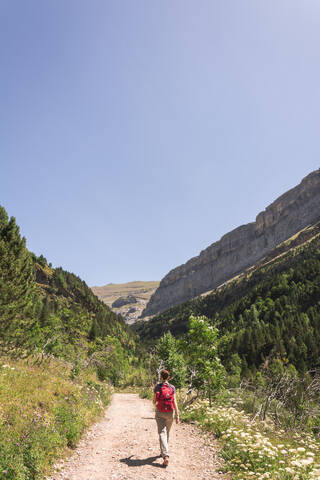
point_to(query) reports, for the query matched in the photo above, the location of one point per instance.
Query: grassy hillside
(43, 411)
(271, 311)
(109, 293)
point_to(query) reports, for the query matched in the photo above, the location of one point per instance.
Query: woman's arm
(175, 406)
(154, 398)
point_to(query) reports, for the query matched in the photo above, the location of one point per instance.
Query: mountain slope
(271, 310)
(50, 312)
(241, 248)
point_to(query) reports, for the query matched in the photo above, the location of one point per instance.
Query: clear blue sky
(133, 134)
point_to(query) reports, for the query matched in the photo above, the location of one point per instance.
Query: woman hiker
(164, 398)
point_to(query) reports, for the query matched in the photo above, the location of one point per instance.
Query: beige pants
(164, 422)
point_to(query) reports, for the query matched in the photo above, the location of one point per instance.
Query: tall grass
(43, 411)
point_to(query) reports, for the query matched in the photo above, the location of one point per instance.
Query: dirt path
(124, 445)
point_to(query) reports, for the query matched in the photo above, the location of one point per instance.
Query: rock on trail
(124, 445)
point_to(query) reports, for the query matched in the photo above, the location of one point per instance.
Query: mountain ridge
(240, 248)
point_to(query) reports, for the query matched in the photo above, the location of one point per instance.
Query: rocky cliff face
(240, 248)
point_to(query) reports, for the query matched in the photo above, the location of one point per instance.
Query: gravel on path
(124, 445)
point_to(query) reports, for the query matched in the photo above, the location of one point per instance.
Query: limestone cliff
(240, 248)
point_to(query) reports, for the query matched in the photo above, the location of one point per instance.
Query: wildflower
(289, 470)
(310, 454)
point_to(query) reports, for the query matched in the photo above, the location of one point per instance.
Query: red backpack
(165, 398)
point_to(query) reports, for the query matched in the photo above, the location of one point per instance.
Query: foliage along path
(124, 445)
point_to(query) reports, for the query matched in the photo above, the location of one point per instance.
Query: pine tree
(16, 287)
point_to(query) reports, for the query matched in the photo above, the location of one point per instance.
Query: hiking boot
(166, 461)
